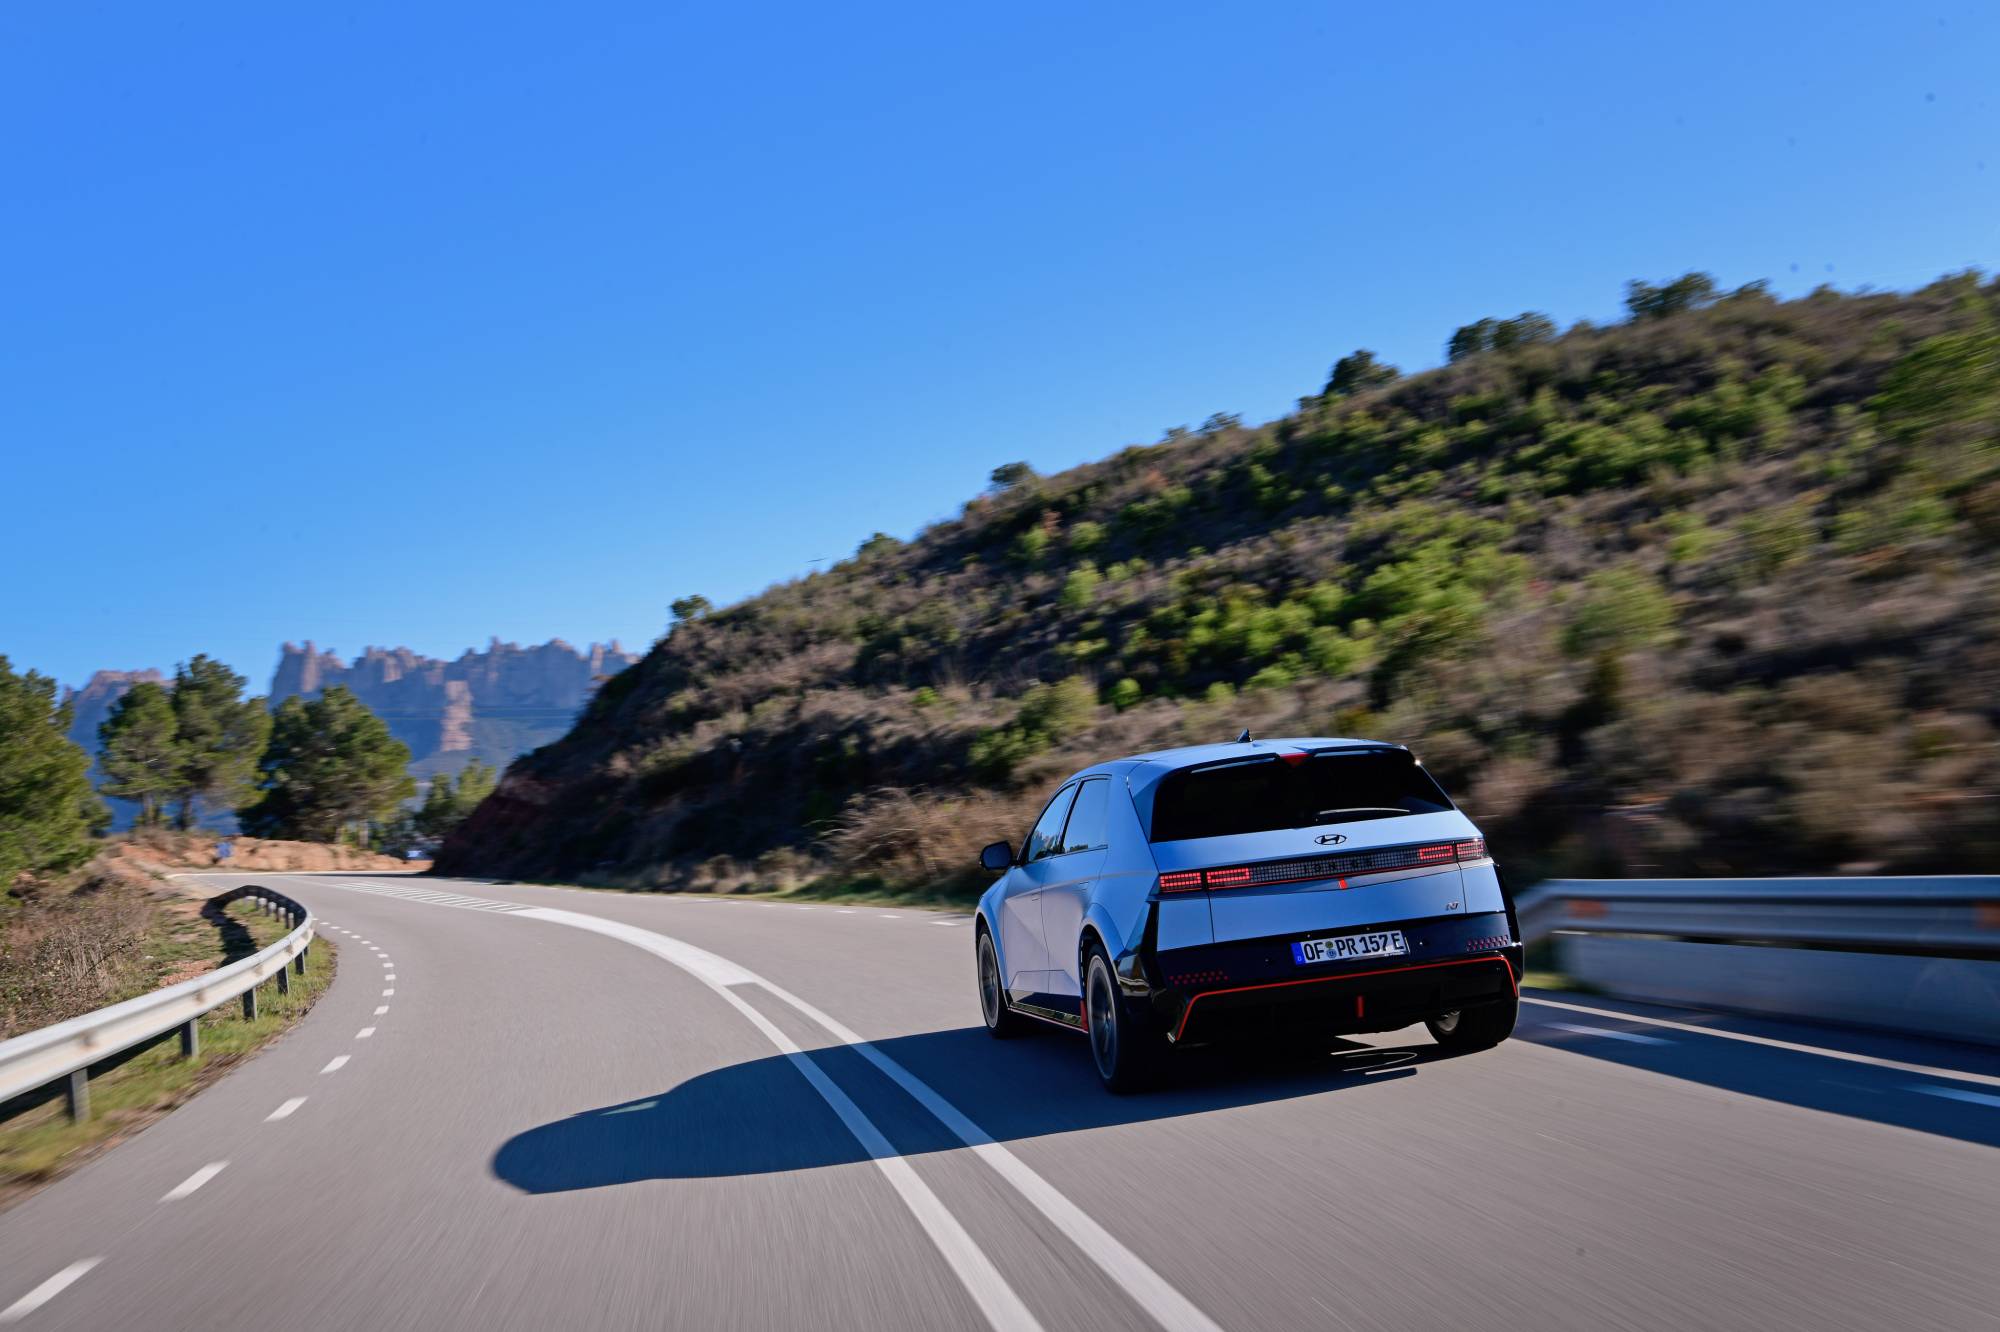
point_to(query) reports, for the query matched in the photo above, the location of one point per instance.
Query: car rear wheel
(1481, 1028)
(1002, 1022)
(1125, 1042)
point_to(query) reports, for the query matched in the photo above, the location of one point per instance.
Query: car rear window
(1281, 791)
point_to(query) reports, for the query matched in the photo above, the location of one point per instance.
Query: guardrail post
(299, 962)
(76, 1095)
(191, 1038)
(284, 980)
(250, 1004)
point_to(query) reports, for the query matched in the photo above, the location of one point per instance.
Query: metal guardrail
(1911, 955)
(1954, 916)
(66, 1050)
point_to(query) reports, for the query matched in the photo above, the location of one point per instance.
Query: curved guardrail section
(1911, 954)
(68, 1049)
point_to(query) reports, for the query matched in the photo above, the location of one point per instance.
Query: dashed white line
(194, 1181)
(844, 911)
(47, 1291)
(389, 976)
(1959, 1094)
(380, 1010)
(364, 1033)
(335, 1064)
(1632, 1036)
(285, 1111)
(387, 993)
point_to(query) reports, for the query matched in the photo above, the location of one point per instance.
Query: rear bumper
(1215, 990)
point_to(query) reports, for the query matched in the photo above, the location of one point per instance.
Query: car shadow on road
(761, 1117)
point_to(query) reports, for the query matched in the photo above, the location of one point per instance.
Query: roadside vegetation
(38, 1143)
(1709, 591)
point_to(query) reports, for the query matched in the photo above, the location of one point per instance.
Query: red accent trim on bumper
(1512, 979)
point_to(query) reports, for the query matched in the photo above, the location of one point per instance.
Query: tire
(1002, 1022)
(1126, 1043)
(1470, 1029)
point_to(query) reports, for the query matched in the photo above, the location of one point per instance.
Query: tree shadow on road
(761, 1117)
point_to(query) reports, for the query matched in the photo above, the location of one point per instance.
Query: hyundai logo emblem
(1330, 839)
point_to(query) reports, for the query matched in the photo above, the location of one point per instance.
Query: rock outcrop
(93, 703)
(491, 705)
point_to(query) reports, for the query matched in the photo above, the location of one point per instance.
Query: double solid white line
(996, 1299)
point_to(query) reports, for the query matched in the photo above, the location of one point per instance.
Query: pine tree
(47, 809)
(331, 765)
(140, 751)
(221, 736)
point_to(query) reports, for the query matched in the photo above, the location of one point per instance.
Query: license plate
(1348, 947)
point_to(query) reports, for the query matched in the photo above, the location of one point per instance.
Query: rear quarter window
(1275, 791)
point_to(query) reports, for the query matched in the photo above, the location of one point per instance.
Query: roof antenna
(1244, 738)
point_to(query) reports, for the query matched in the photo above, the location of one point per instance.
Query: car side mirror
(998, 856)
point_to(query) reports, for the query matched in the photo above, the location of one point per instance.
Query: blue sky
(417, 324)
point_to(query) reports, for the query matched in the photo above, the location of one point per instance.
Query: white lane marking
(1959, 1094)
(387, 963)
(335, 1064)
(380, 1009)
(388, 975)
(989, 1290)
(387, 993)
(1632, 1036)
(364, 1033)
(285, 1111)
(47, 1291)
(843, 911)
(194, 1181)
(1948, 1074)
(1146, 1287)
(698, 962)
(1151, 1291)
(891, 916)
(945, 922)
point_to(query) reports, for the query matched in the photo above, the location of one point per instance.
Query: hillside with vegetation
(1709, 591)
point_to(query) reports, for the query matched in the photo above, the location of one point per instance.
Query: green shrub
(1124, 694)
(1080, 588)
(1274, 676)
(1619, 609)
(1030, 546)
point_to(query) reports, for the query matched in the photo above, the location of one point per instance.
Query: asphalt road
(600, 1120)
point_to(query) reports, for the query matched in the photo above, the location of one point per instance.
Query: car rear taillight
(1337, 867)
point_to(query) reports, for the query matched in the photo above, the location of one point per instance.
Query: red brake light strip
(1325, 867)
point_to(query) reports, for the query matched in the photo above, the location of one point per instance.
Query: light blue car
(1192, 895)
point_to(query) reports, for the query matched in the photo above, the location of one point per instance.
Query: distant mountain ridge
(492, 705)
